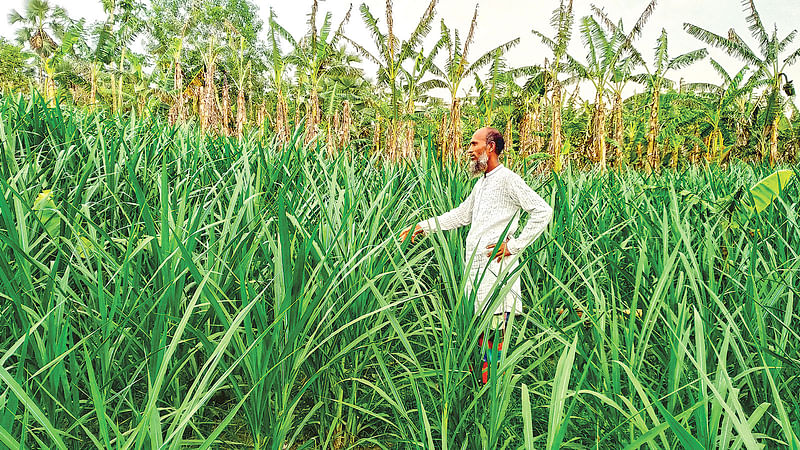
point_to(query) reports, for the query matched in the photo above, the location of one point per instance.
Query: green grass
(178, 290)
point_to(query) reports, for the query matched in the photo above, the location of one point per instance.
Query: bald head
(492, 136)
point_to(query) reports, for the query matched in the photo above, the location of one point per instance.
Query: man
(493, 205)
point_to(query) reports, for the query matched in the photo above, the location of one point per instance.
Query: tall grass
(166, 289)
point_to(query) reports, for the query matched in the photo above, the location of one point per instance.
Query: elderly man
(493, 205)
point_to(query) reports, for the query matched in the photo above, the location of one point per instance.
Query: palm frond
(661, 52)
(462, 60)
(604, 19)
(363, 51)
(642, 78)
(687, 59)
(427, 85)
(781, 46)
(733, 47)
(588, 38)
(792, 58)
(726, 78)
(278, 29)
(636, 31)
(423, 26)
(564, 28)
(340, 29)
(703, 87)
(490, 55)
(756, 28)
(372, 26)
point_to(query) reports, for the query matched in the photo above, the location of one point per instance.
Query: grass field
(160, 288)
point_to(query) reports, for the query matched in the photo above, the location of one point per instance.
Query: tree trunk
(453, 132)
(676, 153)
(51, 89)
(616, 117)
(179, 113)
(313, 118)
(226, 106)
(333, 127)
(203, 104)
(391, 140)
(376, 137)
(406, 134)
(773, 141)
(261, 115)
(93, 89)
(639, 155)
(538, 127)
(599, 132)
(555, 129)
(241, 113)
(653, 160)
(209, 113)
(345, 125)
(508, 137)
(113, 97)
(119, 87)
(526, 134)
(281, 119)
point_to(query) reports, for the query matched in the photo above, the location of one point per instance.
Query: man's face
(478, 153)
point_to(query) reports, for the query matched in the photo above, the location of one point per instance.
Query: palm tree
(416, 89)
(392, 53)
(604, 52)
(531, 129)
(277, 61)
(456, 69)
(40, 24)
(113, 37)
(496, 93)
(561, 22)
(723, 106)
(766, 62)
(655, 81)
(608, 69)
(316, 58)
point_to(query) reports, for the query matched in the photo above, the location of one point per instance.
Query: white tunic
(493, 204)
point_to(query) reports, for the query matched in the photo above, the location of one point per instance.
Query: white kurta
(495, 201)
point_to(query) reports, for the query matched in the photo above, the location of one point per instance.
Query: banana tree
(277, 62)
(561, 21)
(315, 57)
(765, 60)
(655, 80)
(608, 67)
(722, 107)
(415, 89)
(392, 54)
(456, 69)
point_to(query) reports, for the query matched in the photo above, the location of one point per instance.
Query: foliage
(163, 287)
(15, 73)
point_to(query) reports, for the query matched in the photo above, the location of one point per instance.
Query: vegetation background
(198, 241)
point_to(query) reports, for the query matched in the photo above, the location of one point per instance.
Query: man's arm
(540, 214)
(457, 217)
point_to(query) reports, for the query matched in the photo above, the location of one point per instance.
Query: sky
(502, 20)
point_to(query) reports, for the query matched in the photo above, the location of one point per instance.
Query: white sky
(502, 20)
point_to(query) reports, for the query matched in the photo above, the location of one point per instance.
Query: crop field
(165, 288)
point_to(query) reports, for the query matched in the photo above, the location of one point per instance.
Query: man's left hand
(502, 252)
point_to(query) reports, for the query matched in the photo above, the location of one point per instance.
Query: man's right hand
(417, 230)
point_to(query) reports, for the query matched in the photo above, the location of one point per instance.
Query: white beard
(478, 166)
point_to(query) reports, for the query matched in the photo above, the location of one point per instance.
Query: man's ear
(492, 147)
